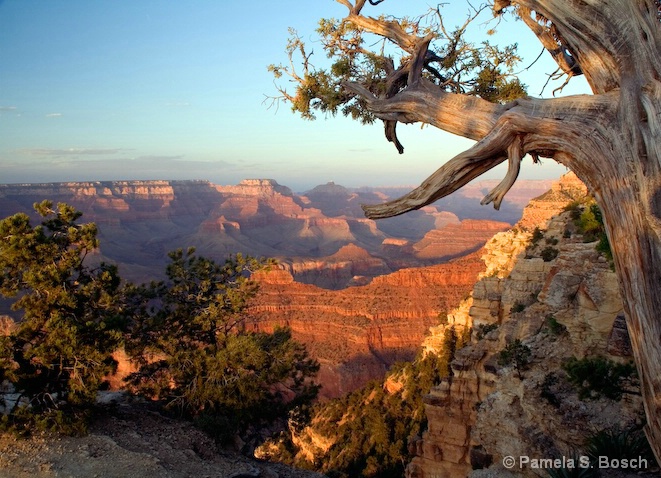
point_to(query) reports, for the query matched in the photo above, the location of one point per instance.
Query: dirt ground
(132, 441)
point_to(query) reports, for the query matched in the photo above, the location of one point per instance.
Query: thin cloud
(7, 108)
(53, 115)
(71, 151)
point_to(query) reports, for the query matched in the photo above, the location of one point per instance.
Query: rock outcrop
(558, 307)
(453, 240)
(358, 332)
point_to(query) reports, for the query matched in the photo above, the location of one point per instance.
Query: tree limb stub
(515, 154)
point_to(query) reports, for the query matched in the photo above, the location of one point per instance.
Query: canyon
(360, 294)
(560, 307)
(363, 296)
(141, 221)
(358, 332)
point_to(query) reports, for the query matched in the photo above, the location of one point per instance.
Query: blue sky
(100, 90)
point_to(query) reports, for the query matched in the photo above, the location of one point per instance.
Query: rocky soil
(132, 441)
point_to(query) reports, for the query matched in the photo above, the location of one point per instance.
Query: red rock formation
(454, 240)
(357, 332)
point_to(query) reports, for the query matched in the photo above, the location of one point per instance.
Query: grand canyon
(360, 294)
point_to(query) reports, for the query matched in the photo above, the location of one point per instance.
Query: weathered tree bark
(611, 140)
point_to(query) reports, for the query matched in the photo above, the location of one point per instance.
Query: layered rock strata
(358, 332)
(141, 221)
(561, 307)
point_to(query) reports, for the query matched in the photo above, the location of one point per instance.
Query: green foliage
(590, 223)
(516, 354)
(575, 210)
(517, 307)
(616, 443)
(537, 235)
(370, 427)
(548, 389)
(457, 66)
(595, 377)
(197, 356)
(613, 443)
(555, 327)
(484, 329)
(58, 355)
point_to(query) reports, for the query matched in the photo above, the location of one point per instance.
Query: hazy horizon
(301, 189)
(161, 90)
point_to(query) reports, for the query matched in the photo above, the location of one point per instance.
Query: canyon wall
(559, 307)
(358, 332)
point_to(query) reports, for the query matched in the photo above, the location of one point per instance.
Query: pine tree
(198, 357)
(59, 353)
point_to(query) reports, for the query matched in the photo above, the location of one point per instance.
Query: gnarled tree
(610, 139)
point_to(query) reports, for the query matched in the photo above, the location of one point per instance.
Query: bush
(370, 427)
(60, 351)
(548, 389)
(515, 354)
(575, 209)
(555, 327)
(484, 329)
(537, 235)
(591, 225)
(517, 307)
(595, 377)
(208, 366)
(619, 444)
(549, 253)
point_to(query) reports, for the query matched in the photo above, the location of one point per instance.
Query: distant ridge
(140, 221)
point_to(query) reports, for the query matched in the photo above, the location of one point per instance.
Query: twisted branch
(515, 154)
(459, 171)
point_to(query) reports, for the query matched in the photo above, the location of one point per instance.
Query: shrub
(370, 427)
(484, 329)
(575, 209)
(537, 235)
(591, 225)
(547, 391)
(596, 376)
(549, 253)
(208, 366)
(555, 327)
(517, 307)
(515, 354)
(616, 443)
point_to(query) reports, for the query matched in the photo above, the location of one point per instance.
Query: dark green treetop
(59, 353)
